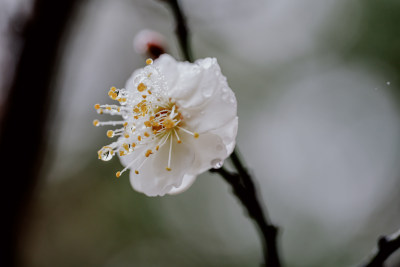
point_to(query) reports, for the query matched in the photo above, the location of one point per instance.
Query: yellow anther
(110, 93)
(139, 138)
(168, 169)
(179, 141)
(147, 123)
(122, 153)
(149, 152)
(148, 91)
(133, 144)
(196, 135)
(110, 133)
(97, 106)
(118, 174)
(156, 124)
(149, 61)
(119, 109)
(136, 117)
(126, 146)
(157, 148)
(96, 122)
(136, 171)
(168, 123)
(126, 135)
(108, 108)
(100, 111)
(122, 100)
(144, 96)
(143, 108)
(146, 134)
(151, 118)
(125, 124)
(112, 89)
(114, 95)
(141, 87)
(154, 131)
(136, 110)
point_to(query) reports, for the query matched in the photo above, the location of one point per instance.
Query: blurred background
(317, 84)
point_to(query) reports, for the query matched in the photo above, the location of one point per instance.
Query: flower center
(151, 120)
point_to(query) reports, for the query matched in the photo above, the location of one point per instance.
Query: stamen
(195, 134)
(113, 123)
(141, 87)
(169, 156)
(148, 153)
(149, 61)
(110, 133)
(177, 136)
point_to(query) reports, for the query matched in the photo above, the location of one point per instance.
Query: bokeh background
(317, 84)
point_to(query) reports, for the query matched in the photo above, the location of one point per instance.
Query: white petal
(169, 68)
(228, 134)
(153, 178)
(212, 103)
(187, 181)
(209, 149)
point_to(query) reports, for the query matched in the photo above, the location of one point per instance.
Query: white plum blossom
(178, 120)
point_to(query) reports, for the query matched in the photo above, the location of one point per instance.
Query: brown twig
(387, 245)
(181, 29)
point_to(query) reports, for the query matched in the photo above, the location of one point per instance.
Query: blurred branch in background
(387, 245)
(181, 30)
(24, 118)
(241, 182)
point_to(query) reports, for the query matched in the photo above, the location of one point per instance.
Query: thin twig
(254, 209)
(387, 245)
(181, 30)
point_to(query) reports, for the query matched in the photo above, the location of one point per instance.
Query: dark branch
(181, 29)
(249, 200)
(387, 245)
(25, 113)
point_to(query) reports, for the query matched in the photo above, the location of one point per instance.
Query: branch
(387, 245)
(181, 29)
(250, 201)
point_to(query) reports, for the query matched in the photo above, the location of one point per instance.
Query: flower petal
(169, 68)
(209, 151)
(228, 134)
(153, 178)
(187, 181)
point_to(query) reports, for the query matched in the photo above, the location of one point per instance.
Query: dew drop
(125, 114)
(106, 153)
(388, 83)
(207, 91)
(217, 163)
(225, 97)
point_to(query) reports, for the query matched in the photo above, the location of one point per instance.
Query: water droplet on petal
(217, 163)
(207, 91)
(388, 83)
